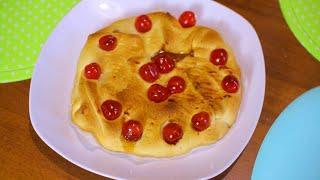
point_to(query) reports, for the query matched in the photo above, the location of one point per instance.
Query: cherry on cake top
(164, 62)
(92, 71)
(219, 56)
(158, 93)
(132, 130)
(143, 24)
(172, 133)
(200, 121)
(108, 42)
(187, 19)
(230, 84)
(176, 85)
(149, 72)
(111, 109)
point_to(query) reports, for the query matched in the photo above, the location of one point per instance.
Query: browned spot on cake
(126, 113)
(226, 96)
(84, 109)
(197, 85)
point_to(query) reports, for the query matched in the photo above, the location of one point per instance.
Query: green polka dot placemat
(303, 18)
(24, 27)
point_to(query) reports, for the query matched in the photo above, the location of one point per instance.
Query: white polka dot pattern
(25, 26)
(303, 17)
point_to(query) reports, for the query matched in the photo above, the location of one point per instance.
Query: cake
(154, 85)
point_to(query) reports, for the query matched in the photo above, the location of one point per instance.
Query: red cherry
(111, 109)
(92, 71)
(176, 85)
(108, 42)
(132, 130)
(200, 121)
(158, 93)
(164, 62)
(172, 133)
(219, 57)
(149, 72)
(187, 19)
(230, 84)
(143, 24)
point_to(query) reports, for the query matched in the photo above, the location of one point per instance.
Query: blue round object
(291, 149)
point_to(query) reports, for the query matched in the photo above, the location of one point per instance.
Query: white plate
(55, 69)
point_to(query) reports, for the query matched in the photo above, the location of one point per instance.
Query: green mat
(303, 18)
(25, 26)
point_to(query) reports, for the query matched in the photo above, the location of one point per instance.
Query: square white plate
(52, 82)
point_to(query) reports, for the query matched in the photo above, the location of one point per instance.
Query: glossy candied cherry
(230, 84)
(158, 93)
(187, 19)
(219, 57)
(111, 109)
(149, 72)
(172, 133)
(164, 62)
(92, 71)
(200, 121)
(143, 24)
(176, 85)
(132, 130)
(108, 42)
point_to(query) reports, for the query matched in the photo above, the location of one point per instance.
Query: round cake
(156, 85)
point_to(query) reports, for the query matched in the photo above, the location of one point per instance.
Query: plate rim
(231, 160)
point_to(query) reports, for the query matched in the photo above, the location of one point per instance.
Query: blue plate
(291, 149)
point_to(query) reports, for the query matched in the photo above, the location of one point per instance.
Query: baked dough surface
(120, 80)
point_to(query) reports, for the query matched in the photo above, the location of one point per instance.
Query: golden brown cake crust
(120, 81)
